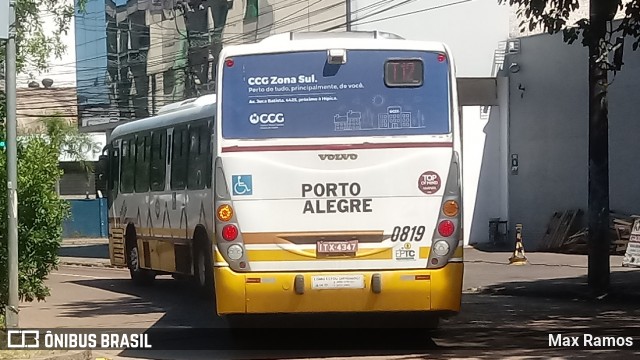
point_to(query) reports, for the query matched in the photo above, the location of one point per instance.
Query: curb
(76, 355)
(86, 264)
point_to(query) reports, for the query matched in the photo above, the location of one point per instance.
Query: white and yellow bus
(325, 175)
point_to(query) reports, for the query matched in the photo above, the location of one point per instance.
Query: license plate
(337, 282)
(349, 247)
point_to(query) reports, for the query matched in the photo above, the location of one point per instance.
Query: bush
(41, 211)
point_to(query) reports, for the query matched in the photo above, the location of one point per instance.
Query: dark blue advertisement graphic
(300, 95)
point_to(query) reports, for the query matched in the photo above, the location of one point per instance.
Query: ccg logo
(267, 119)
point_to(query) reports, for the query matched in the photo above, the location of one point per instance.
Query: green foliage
(41, 211)
(36, 42)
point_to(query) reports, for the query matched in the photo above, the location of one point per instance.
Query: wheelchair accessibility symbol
(242, 184)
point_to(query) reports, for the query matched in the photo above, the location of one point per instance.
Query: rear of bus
(338, 184)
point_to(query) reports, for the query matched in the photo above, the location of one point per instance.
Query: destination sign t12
(403, 73)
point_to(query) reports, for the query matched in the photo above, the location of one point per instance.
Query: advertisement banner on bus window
(298, 95)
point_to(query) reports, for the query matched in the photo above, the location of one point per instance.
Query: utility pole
(600, 12)
(11, 311)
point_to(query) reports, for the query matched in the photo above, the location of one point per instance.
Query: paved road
(490, 325)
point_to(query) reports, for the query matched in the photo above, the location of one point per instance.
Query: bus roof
(171, 114)
(300, 41)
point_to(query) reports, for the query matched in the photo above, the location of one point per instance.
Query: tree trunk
(598, 207)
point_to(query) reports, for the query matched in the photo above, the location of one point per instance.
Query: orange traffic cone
(518, 257)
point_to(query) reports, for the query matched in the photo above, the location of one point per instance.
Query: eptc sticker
(429, 182)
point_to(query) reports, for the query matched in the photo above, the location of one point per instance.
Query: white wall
(549, 124)
(549, 132)
(484, 187)
(63, 70)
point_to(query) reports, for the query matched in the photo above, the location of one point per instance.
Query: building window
(168, 81)
(252, 10)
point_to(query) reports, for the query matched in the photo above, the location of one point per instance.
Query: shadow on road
(100, 251)
(624, 289)
(509, 319)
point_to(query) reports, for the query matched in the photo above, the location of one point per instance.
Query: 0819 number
(407, 233)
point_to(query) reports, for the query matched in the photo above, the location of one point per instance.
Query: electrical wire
(374, 8)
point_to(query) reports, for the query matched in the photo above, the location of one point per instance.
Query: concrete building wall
(549, 133)
(35, 104)
(278, 16)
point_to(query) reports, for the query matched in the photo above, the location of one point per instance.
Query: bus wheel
(139, 275)
(202, 267)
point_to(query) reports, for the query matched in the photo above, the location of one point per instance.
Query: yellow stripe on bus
(284, 255)
(424, 252)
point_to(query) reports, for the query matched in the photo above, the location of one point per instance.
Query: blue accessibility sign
(242, 184)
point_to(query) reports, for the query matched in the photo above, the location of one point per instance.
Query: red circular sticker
(429, 182)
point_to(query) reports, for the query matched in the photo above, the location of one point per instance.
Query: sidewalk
(547, 275)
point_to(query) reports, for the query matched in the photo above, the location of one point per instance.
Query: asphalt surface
(507, 312)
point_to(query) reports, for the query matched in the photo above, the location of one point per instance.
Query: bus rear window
(300, 95)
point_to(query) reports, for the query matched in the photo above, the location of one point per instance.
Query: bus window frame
(113, 175)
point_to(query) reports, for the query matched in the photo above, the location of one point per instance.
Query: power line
(356, 21)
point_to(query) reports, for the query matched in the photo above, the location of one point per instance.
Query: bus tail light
(229, 240)
(446, 228)
(447, 235)
(450, 208)
(224, 212)
(440, 248)
(230, 232)
(235, 252)
(229, 62)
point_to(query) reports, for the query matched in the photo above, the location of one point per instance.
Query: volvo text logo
(266, 118)
(338, 156)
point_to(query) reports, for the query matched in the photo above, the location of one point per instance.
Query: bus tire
(140, 276)
(203, 266)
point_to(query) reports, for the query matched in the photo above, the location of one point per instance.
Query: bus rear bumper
(437, 290)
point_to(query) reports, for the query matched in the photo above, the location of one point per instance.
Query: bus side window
(158, 159)
(206, 139)
(143, 149)
(179, 158)
(114, 173)
(127, 170)
(197, 157)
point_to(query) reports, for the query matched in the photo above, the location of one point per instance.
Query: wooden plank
(558, 237)
(570, 225)
(558, 230)
(546, 238)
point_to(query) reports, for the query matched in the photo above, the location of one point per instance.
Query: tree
(603, 38)
(41, 210)
(34, 44)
